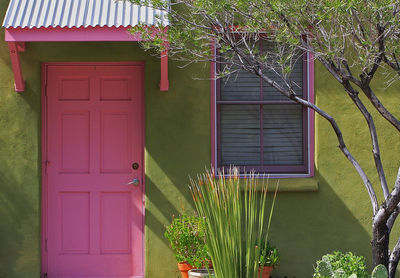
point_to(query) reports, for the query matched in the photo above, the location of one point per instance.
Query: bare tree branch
(374, 137)
(394, 259)
(380, 107)
(393, 199)
(393, 218)
(342, 145)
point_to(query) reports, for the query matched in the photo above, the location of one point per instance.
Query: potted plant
(269, 259)
(236, 216)
(344, 263)
(327, 270)
(186, 235)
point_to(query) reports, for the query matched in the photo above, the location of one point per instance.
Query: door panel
(94, 134)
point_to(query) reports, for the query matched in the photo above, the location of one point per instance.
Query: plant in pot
(235, 208)
(341, 265)
(186, 235)
(269, 259)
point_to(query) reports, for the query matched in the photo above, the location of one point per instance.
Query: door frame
(44, 152)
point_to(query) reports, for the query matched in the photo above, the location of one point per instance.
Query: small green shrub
(270, 255)
(344, 264)
(186, 235)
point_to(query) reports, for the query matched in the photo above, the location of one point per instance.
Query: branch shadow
(308, 225)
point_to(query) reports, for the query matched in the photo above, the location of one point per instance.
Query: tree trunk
(392, 270)
(394, 259)
(380, 243)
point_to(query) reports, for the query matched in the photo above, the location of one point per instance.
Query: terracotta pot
(184, 267)
(265, 273)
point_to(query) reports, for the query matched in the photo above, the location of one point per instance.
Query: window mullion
(261, 116)
(262, 135)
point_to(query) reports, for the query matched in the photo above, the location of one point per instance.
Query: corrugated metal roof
(79, 13)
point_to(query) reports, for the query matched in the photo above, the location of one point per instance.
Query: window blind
(257, 125)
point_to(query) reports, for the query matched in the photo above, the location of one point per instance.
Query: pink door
(94, 170)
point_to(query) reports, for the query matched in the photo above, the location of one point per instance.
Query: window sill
(293, 184)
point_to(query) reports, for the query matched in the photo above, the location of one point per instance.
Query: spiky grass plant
(235, 217)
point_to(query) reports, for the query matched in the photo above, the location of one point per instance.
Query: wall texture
(305, 226)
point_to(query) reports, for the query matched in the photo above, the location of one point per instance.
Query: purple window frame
(305, 170)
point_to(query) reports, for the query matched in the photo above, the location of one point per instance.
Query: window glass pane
(283, 134)
(270, 93)
(296, 75)
(240, 86)
(240, 135)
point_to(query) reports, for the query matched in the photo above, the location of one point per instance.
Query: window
(257, 128)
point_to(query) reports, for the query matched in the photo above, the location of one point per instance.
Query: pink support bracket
(164, 82)
(15, 48)
(17, 36)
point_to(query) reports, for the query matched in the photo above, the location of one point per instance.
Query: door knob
(134, 182)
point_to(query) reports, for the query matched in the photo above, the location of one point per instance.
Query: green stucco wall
(338, 215)
(305, 226)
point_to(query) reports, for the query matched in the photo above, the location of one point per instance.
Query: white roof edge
(80, 13)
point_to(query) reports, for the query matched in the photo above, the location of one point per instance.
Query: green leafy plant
(270, 255)
(186, 235)
(338, 264)
(326, 271)
(234, 211)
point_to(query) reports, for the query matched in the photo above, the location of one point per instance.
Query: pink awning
(78, 21)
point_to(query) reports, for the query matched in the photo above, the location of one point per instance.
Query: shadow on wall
(177, 142)
(167, 194)
(177, 146)
(165, 209)
(306, 226)
(19, 175)
(19, 222)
